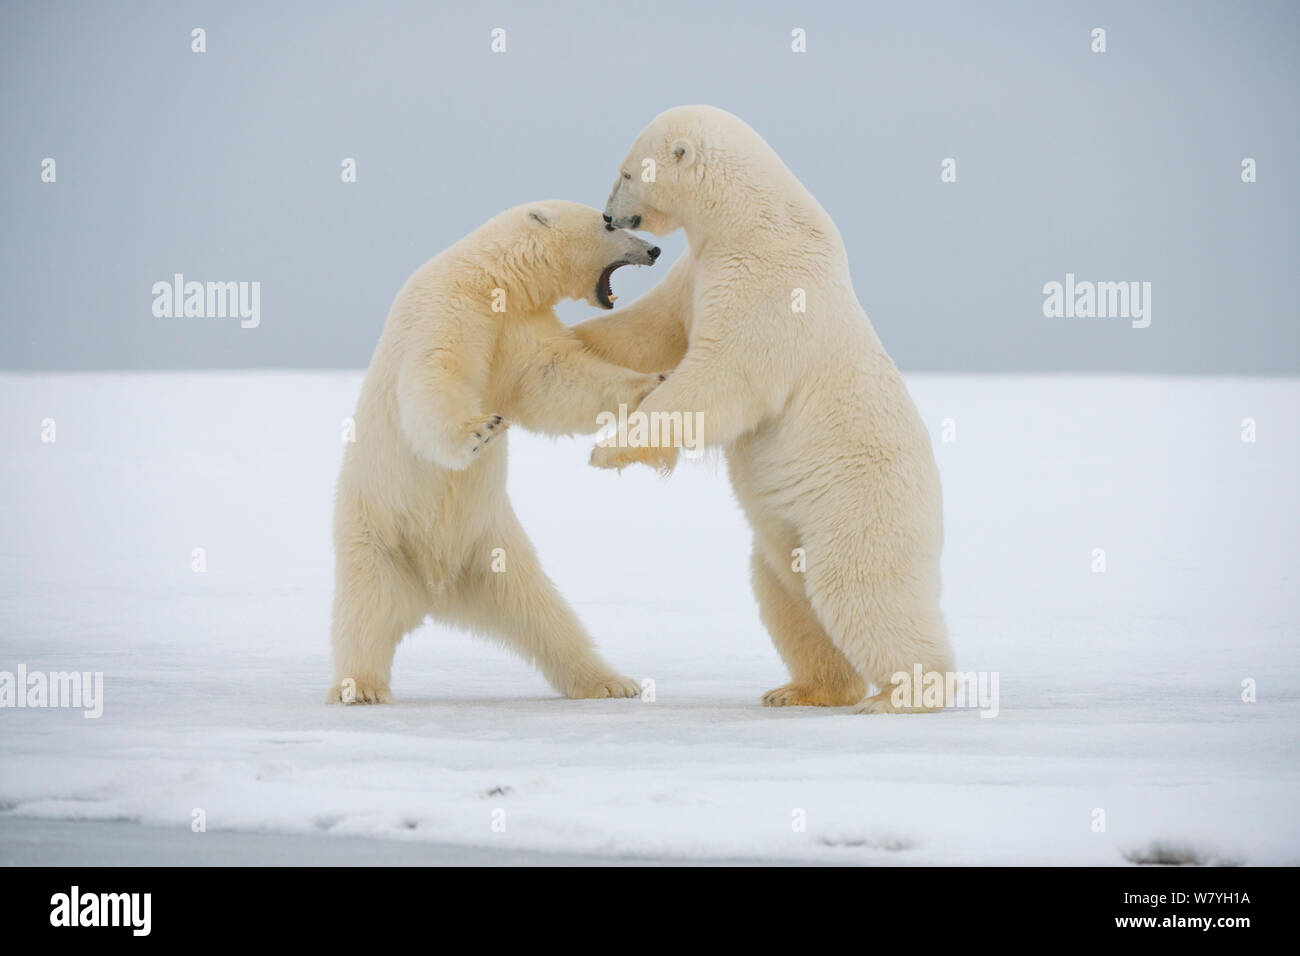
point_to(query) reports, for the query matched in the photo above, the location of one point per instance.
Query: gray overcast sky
(226, 165)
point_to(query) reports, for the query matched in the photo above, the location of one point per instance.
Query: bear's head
(581, 250)
(670, 169)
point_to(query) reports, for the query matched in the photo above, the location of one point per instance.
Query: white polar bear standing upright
(826, 451)
(422, 522)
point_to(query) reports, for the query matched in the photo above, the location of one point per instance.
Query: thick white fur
(825, 449)
(421, 503)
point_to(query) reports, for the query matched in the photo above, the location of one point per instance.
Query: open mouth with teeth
(604, 294)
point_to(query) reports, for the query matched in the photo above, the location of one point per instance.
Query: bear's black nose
(607, 218)
(653, 253)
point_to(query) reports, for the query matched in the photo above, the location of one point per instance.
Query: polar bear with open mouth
(422, 522)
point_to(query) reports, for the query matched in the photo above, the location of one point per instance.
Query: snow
(1119, 691)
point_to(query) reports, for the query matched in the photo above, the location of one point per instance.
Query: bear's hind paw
(605, 687)
(359, 692)
(803, 695)
(883, 704)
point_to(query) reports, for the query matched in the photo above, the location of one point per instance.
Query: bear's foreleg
(563, 390)
(648, 342)
(715, 388)
(441, 415)
(650, 334)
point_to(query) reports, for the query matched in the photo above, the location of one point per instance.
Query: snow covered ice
(1119, 691)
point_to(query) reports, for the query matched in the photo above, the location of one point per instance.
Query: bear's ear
(539, 217)
(683, 151)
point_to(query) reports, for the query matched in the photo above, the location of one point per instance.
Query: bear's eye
(627, 175)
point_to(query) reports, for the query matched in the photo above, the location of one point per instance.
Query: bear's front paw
(478, 433)
(619, 455)
(349, 691)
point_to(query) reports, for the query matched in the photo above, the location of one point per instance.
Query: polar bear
(422, 522)
(827, 453)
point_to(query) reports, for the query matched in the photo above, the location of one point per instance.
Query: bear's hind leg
(520, 606)
(821, 675)
(375, 603)
(885, 628)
